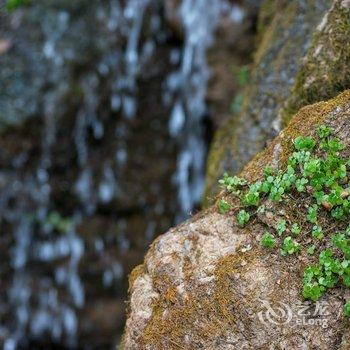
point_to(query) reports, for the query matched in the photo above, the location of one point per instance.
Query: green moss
(209, 314)
(135, 273)
(14, 4)
(326, 68)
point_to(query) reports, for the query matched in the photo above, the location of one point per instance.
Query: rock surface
(325, 70)
(303, 57)
(204, 284)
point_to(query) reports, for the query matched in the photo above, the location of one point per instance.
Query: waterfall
(187, 88)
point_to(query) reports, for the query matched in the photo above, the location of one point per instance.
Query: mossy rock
(206, 283)
(286, 29)
(326, 68)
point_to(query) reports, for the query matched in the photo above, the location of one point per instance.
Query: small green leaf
(268, 240)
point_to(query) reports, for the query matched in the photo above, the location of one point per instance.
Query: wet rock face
(286, 32)
(89, 160)
(209, 284)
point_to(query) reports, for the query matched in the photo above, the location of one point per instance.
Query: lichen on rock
(208, 280)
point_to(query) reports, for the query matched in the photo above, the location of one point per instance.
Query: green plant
(304, 143)
(323, 131)
(232, 184)
(289, 246)
(316, 172)
(224, 206)
(317, 232)
(261, 209)
(311, 249)
(300, 184)
(347, 308)
(332, 145)
(252, 197)
(296, 229)
(268, 240)
(13, 4)
(347, 231)
(243, 75)
(242, 218)
(312, 213)
(59, 223)
(281, 227)
(269, 171)
(338, 213)
(237, 103)
(311, 289)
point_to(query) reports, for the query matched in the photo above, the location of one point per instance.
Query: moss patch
(326, 68)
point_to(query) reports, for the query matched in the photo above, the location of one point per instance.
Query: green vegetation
(296, 229)
(317, 232)
(311, 249)
(325, 69)
(243, 76)
(312, 213)
(13, 4)
(316, 173)
(281, 227)
(242, 218)
(224, 207)
(232, 184)
(304, 143)
(268, 240)
(55, 221)
(347, 308)
(289, 246)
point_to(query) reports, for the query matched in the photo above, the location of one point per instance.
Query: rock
(230, 55)
(198, 289)
(286, 32)
(325, 70)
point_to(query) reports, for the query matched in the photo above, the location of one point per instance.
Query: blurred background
(107, 110)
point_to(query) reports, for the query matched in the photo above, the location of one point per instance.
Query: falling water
(187, 87)
(45, 237)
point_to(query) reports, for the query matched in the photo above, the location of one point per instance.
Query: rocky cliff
(205, 284)
(300, 60)
(209, 283)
